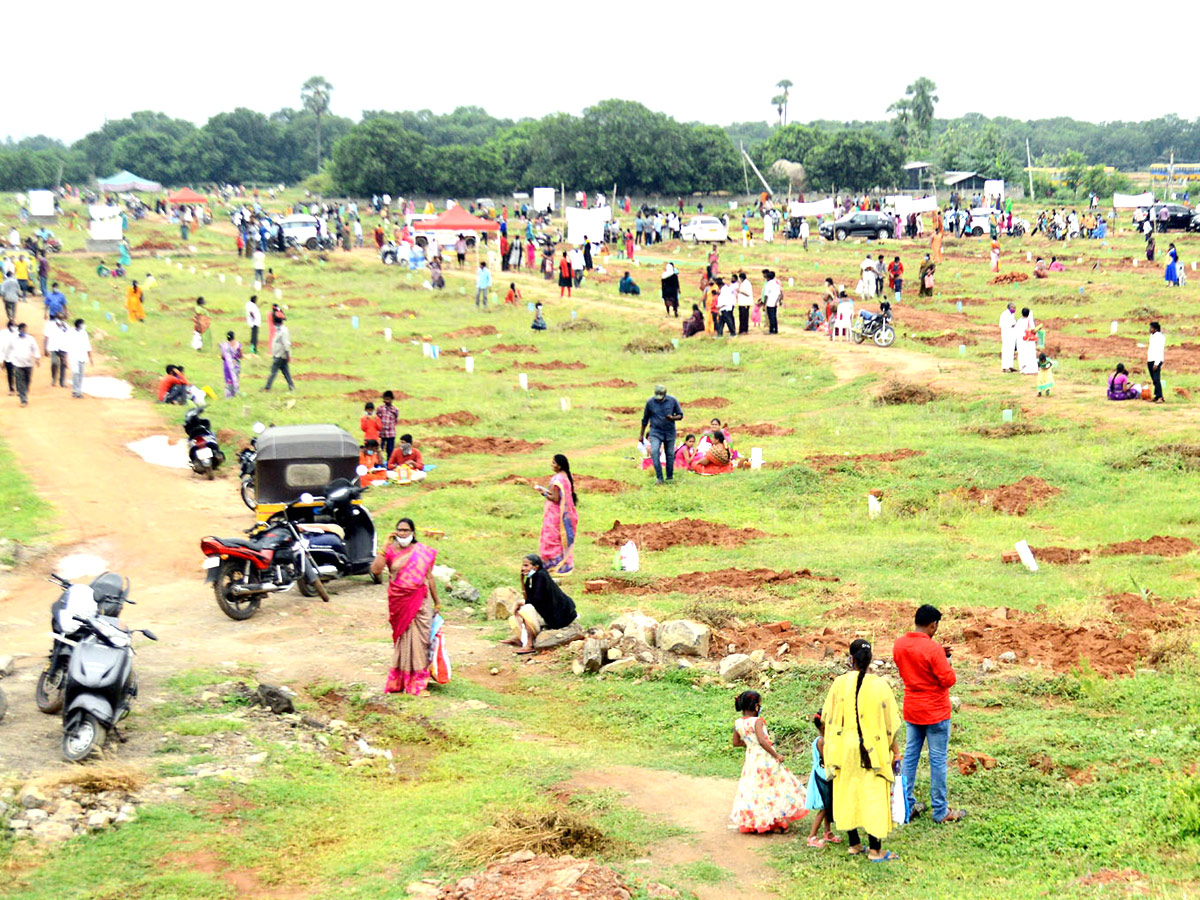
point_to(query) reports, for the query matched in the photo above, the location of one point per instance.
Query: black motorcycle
(247, 464)
(341, 536)
(106, 595)
(204, 452)
(100, 684)
(875, 326)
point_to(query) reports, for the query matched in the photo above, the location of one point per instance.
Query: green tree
(314, 97)
(1074, 165)
(854, 160)
(786, 85)
(379, 155)
(151, 154)
(791, 142)
(779, 101)
(922, 102)
(902, 123)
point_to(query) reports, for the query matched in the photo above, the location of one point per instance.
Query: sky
(693, 61)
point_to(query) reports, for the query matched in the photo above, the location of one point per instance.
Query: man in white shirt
(1154, 358)
(745, 299)
(867, 267)
(804, 232)
(54, 342)
(577, 265)
(253, 320)
(24, 355)
(7, 336)
(1008, 337)
(772, 298)
(726, 300)
(79, 355)
(260, 266)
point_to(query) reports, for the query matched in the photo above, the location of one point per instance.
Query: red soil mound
(365, 395)
(1158, 545)
(709, 402)
(946, 340)
(1108, 649)
(542, 876)
(833, 460)
(553, 365)
(625, 410)
(694, 370)
(765, 429)
(473, 331)
(153, 245)
(455, 418)
(611, 383)
(325, 376)
(514, 348)
(1013, 499)
(600, 485)
(689, 532)
(403, 314)
(692, 582)
(1058, 556)
(454, 444)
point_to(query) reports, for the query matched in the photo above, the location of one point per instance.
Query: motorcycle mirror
(150, 634)
(361, 471)
(259, 427)
(130, 602)
(306, 497)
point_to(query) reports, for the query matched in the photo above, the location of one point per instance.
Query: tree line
(469, 152)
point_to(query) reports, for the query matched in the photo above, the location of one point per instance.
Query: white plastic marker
(1028, 256)
(1079, 261)
(239, 279)
(278, 293)
(435, 351)
(523, 380)
(874, 507)
(791, 282)
(1006, 415)
(387, 334)
(962, 349)
(469, 364)
(756, 457)
(191, 270)
(221, 277)
(737, 358)
(1026, 555)
(1135, 263)
(257, 285)
(354, 321)
(565, 403)
(427, 349)
(1113, 328)
(179, 266)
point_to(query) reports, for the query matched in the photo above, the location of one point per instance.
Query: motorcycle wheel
(83, 735)
(248, 494)
(236, 606)
(306, 589)
(319, 587)
(49, 691)
(210, 472)
(885, 336)
(858, 336)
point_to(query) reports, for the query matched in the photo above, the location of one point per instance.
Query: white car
(446, 238)
(303, 228)
(704, 228)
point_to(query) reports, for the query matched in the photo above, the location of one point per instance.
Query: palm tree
(785, 84)
(314, 96)
(779, 101)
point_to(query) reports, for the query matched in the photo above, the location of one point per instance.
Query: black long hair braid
(562, 462)
(860, 653)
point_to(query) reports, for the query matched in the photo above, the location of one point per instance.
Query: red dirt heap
(518, 877)
(694, 582)
(1013, 499)
(454, 444)
(1158, 545)
(462, 417)
(688, 532)
(765, 429)
(828, 461)
(473, 331)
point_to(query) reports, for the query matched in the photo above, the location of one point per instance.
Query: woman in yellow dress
(134, 304)
(862, 724)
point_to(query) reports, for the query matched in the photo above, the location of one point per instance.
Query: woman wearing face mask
(543, 605)
(412, 603)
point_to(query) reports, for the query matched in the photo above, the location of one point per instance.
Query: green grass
(1030, 834)
(27, 517)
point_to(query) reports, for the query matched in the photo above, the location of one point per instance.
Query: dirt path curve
(701, 805)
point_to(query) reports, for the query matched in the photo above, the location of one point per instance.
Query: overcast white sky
(694, 61)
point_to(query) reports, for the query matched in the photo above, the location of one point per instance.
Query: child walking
(769, 797)
(1045, 374)
(820, 791)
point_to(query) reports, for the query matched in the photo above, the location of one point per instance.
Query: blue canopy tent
(126, 181)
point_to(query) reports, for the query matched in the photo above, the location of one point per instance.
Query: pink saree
(410, 613)
(556, 546)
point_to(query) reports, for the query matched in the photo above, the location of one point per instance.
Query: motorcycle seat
(324, 528)
(240, 542)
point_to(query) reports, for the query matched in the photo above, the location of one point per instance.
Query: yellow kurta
(133, 303)
(861, 797)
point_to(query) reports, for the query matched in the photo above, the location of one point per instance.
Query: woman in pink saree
(412, 603)
(556, 546)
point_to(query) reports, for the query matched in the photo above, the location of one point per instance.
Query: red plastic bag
(439, 665)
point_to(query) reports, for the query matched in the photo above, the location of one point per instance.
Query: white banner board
(812, 208)
(994, 187)
(908, 205)
(103, 211)
(105, 229)
(1132, 201)
(586, 223)
(41, 203)
(543, 198)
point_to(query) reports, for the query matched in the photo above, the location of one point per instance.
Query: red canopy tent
(456, 219)
(186, 195)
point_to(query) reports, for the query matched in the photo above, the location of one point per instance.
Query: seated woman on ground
(715, 426)
(816, 319)
(694, 324)
(718, 460)
(686, 454)
(1120, 387)
(543, 605)
(627, 286)
(1039, 269)
(1056, 265)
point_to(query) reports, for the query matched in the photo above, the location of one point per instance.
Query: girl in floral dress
(769, 797)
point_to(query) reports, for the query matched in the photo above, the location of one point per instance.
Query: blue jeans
(657, 443)
(937, 736)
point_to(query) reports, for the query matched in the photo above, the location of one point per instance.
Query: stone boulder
(617, 665)
(557, 637)
(637, 627)
(501, 602)
(684, 637)
(443, 575)
(274, 698)
(593, 655)
(463, 591)
(735, 666)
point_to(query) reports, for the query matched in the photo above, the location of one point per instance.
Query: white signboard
(543, 198)
(41, 203)
(908, 205)
(105, 229)
(586, 223)
(994, 187)
(1132, 201)
(813, 208)
(103, 211)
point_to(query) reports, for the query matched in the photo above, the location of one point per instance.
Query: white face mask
(404, 540)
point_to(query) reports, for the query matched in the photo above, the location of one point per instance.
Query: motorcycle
(204, 452)
(248, 463)
(876, 326)
(106, 595)
(345, 544)
(100, 684)
(275, 556)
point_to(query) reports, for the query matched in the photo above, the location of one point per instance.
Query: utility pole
(1170, 178)
(745, 174)
(1029, 167)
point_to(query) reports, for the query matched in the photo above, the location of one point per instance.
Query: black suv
(858, 223)
(1179, 216)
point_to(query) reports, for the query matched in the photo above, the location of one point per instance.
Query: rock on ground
(593, 655)
(735, 666)
(637, 626)
(684, 637)
(521, 876)
(557, 637)
(501, 602)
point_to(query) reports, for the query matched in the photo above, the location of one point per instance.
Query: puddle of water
(107, 388)
(158, 450)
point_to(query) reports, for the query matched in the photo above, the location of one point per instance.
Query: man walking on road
(24, 355)
(54, 343)
(79, 354)
(281, 354)
(924, 666)
(661, 413)
(10, 290)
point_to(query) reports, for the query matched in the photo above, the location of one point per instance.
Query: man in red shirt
(406, 455)
(925, 668)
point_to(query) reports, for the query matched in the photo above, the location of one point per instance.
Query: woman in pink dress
(530, 251)
(412, 603)
(556, 546)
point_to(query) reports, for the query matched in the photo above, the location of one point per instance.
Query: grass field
(1119, 790)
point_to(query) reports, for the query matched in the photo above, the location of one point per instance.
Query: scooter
(248, 463)
(204, 452)
(276, 556)
(341, 537)
(106, 595)
(876, 326)
(100, 684)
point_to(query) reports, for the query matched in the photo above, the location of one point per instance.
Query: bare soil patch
(765, 429)
(553, 365)
(649, 345)
(685, 532)
(1010, 278)
(403, 314)
(601, 485)
(1006, 430)
(897, 393)
(826, 461)
(709, 402)
(949, 339)
(152, 245)
(611, 383)
(356, 301)
(326, 376)
(454, 444)
(624, 410)
(462, 417)
(1057, 556)
(1159, 545)
(695, 370)
(1013, 499)
(513, 348)
(473, 331)
(693, 582)
(539, 876)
